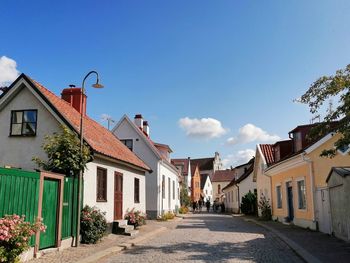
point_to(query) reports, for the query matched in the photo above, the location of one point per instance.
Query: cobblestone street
(209, 238)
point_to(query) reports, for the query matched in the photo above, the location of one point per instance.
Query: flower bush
(15, 235)
(135, 217)
(183, 210)
(93, 225)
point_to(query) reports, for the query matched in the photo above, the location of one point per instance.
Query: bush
(93, 225)
(169, 215)
(15, 235)
(248, 205)
(264, 206)
(136, 218)
(185, 200)
(183, 210)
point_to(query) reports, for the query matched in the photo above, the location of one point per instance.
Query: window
(163, 187)
(23, 122)
(301, 195)
(344, 149)
(279, 196)
(128, 143)
(137, 190)
(173, 190)
(219, 189)
(101, 185)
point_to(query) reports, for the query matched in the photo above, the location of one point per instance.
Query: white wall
(90, 187)
(166, 203)
(263, 182)
(246, 185)
(208, 190)
(231, 199)
(18, 151)
(154, 201)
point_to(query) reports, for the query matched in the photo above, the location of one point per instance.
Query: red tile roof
(224, 176)
(99, 138)
(268, 152)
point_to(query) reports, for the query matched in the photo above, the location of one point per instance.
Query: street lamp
(97, 85)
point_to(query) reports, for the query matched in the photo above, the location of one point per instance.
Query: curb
(301, 252)
(120, 247)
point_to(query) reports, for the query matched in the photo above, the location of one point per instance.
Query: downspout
(161, 187)
(239, 207)
(312, 179)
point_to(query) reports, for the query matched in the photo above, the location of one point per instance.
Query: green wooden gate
(19, 194)
(69, 208)
(49, 213)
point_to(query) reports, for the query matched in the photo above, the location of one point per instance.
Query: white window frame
(277, 196)
(297, 180)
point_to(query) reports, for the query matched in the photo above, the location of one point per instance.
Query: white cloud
(202, 128)
(8, 70)
(238, 158)
(250, 133)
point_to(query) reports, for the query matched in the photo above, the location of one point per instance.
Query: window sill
(101, 201)
(32, 135)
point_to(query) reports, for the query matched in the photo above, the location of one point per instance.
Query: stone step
(131, 233)
(121, 228)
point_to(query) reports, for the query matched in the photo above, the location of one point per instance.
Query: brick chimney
(138, 120)
(146, 128)
(73, 96)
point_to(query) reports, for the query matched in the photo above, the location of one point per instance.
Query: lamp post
(81, 173)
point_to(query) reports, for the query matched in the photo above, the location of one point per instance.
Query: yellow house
(298, 182)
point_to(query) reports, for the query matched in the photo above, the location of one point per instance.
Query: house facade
(264, 157)
(239, 186)
(221, 179)
(206, 188)
(195, 184)
(114, 180)
(184, 168)
(208, 166)
(163, 181)
(298, 181)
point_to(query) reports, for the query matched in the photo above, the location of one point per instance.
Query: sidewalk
(109, 244)
(312, 246)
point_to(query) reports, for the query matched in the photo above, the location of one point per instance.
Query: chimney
(146, 128)
(138, 120)
(73, 96)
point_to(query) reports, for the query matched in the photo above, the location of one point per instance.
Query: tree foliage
(248, 205)
(63, 152)
(337, 120)
(185, 200)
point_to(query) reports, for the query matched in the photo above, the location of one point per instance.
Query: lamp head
(97, 85)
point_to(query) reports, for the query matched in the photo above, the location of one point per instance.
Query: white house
(162, 183)
(207, 188)
(114, 180)
(239, 186)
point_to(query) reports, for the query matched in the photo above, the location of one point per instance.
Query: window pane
(29, 116)
(16, 129)
(17, 116)
(301, 195)
(28, 129)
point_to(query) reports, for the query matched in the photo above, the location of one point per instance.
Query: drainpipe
(312, 179)
(239, 207)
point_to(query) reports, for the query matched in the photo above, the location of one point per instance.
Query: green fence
(19, 193)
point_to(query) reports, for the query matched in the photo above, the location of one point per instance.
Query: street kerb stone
(305, 255)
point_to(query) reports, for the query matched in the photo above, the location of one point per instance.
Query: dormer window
(23, 122)
(128, 143)
(344, 149)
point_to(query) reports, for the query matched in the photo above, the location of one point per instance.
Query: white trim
(319, 143)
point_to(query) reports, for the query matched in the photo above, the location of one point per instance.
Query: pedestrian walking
(208, 205)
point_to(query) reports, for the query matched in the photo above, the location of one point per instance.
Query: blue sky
(236, 62)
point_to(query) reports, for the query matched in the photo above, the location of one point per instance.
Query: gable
(18, 151)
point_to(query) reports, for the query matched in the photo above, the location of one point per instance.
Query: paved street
(209, 238)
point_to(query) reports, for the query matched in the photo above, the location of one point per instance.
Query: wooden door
(118, 196)
(49, 213)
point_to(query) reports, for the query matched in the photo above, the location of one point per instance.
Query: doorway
(290, 201)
